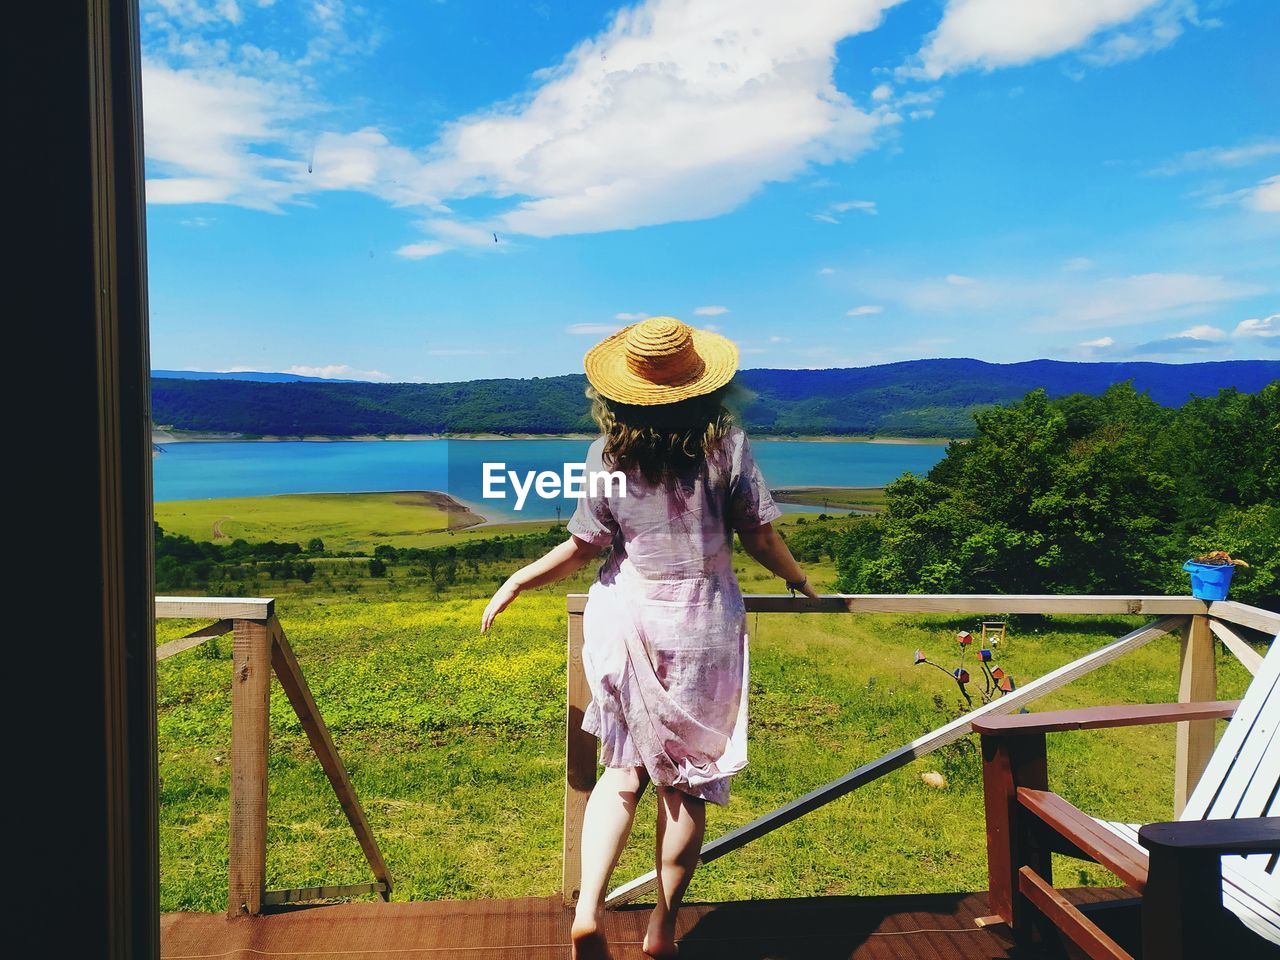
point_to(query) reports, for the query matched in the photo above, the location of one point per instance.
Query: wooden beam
(1008, 762)
(921, 746)
(1087, 835)
(1197, 681)
(1064, 915)
(1248, 656)
(207, 608)
(1255, 618)
(192, 639)
(960, 603)
(1114, 715)
(1241, 835)
(250, 719)
(580, 764)
(304, 705)
(275, 898)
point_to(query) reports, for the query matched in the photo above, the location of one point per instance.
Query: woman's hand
(501, 600)
(765, 545)
(807, 589)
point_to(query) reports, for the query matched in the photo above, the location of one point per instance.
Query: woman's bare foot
(660, 938)
(588, 938)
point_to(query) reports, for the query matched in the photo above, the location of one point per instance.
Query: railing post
(250, 715)
(1197, 681)
(580, 757)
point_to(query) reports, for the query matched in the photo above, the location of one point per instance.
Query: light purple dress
(664, 631)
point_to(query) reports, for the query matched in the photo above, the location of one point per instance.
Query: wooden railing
(1197, 622)
(259, 646)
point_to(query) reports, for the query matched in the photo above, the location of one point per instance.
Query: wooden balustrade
(259, 647)
(1197, 621)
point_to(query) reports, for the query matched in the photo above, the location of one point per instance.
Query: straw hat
(660, 360)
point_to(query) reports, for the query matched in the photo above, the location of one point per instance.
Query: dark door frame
(87, 782)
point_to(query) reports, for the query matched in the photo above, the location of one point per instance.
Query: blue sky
(828, 183)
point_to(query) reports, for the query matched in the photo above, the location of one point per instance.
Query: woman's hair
(663, 441)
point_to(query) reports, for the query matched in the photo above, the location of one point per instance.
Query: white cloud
(1143, 297)
(591, 329)
(1056, 301)
(1214, 158)
(1199, 339)
(1203, 331)
(988, 34)
(1265, 196)
(713, 310)
(882, 92)
(777, 339)
(419, 251)
(630, 317)
(192, 13)
(1077, 264)
(203, 132)
(729, 96)
(337, 371)
(825, 271)
(1259, 327)
(862, 206)
(865, 310)
(456, 352)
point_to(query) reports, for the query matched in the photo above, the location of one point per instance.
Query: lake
(199, 470)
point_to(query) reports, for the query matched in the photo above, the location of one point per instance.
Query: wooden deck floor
(928, 927)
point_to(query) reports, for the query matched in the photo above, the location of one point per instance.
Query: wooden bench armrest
(1092, 718)
(1242, 835)
(1090, 837)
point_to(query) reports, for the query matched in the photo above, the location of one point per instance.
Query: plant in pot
(1211, 574)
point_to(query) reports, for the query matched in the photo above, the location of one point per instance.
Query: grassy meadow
(347, 521)
(454, 741)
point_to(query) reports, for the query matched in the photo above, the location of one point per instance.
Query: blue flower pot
(1209, 582)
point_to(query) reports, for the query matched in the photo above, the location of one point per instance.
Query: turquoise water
(193, 471)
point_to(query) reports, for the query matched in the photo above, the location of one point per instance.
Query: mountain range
(913, 398)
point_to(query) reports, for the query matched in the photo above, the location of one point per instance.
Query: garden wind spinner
(995, 682)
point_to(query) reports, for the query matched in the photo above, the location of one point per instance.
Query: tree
(1080, 494)
(377, 567)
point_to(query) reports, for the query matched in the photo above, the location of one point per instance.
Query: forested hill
(916, 398)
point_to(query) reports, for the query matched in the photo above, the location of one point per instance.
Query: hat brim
(608, 372)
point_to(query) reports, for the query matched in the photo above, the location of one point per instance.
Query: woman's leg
(682, 821)
(611, 809)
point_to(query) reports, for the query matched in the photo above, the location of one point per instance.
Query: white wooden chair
(1232, 819)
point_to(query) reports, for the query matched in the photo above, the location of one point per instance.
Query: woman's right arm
(764, 545)
(556, 564)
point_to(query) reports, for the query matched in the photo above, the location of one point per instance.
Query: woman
(664, 630)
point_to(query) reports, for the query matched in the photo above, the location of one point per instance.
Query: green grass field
(345, 521)
(454, 741)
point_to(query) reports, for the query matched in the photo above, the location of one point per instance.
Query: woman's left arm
(556, 564)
